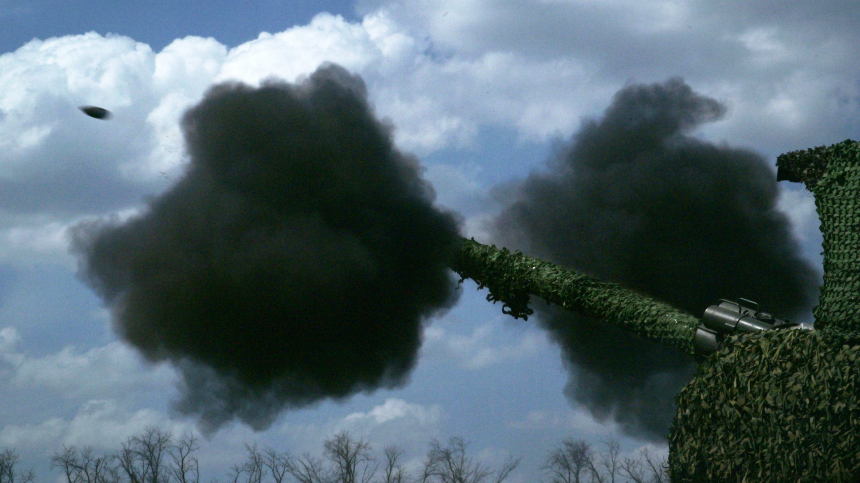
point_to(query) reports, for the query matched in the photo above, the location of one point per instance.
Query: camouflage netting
(511, 277)
(785, 405)
(833, 176)
(774, 406)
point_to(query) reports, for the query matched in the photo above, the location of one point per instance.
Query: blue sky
(482, 92)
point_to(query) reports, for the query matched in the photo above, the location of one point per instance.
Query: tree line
(156, 456)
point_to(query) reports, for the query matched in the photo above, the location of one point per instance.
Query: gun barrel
(511, 277)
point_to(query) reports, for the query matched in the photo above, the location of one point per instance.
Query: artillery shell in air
(96, 112)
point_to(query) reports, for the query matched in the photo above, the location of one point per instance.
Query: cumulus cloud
(397, 413)
(764, 64)
(59, 161)
(33, 240)
(101, 423)
(73, 395)
(114, 369)
(9, 339)
(56, 160)
(396, 422)
(482, 348)
(439, 70)
(569, 421)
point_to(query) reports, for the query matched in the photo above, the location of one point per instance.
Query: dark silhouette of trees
(186, 468)
(608, 461)
(451, 464)
(155, 456)
(646, 469)
(83, 466)
(8, 461)
(149, 457)
(573, 461)
(352, 460)
(393, 471)
(570, 462)
(143, 457)
(346, 460)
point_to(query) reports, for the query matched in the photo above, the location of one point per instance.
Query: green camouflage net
(833, 176)
(785, 405)
(775, 406)
(511, 277)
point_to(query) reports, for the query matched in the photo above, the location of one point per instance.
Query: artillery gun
(768, 402)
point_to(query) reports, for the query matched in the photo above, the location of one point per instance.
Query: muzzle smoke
(296, 260)
(633, 199)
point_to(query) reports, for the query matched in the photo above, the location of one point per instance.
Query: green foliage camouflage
(512, 277)
(833, 176)
(785, 405)
(781, 405)
(774, 406)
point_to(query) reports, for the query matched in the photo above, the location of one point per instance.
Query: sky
(494, 100)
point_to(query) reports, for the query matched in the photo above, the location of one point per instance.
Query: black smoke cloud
(635, 200)
(296, 260)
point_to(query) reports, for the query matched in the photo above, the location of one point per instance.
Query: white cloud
(10, 356)
(570, 421)
(32, 240)
(764, 45)
(439, 70)
(433, 101)
(101, 423)
(394, 409)
(299, 50)
(603, 44)
(799, 205)
(395, 421)
(9, 340)
(114, 370)
(485, 347)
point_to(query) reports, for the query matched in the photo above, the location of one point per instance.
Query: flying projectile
(96, 112)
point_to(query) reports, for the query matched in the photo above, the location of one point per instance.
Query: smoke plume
(635, 200)
(296, 260)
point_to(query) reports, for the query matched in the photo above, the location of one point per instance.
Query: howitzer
(767, 404)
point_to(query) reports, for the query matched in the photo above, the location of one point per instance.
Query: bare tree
(307, 469)
(84, 466)
(352, 460)
(186, 468)
(648, 468)
(142, 457)
(632, 469)
(67, 460)
(569, 462)
(277, 464)
(451, 464)
(253, 468)
(8, 461)
(658, 467)
(393, 472)
(609, 460)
